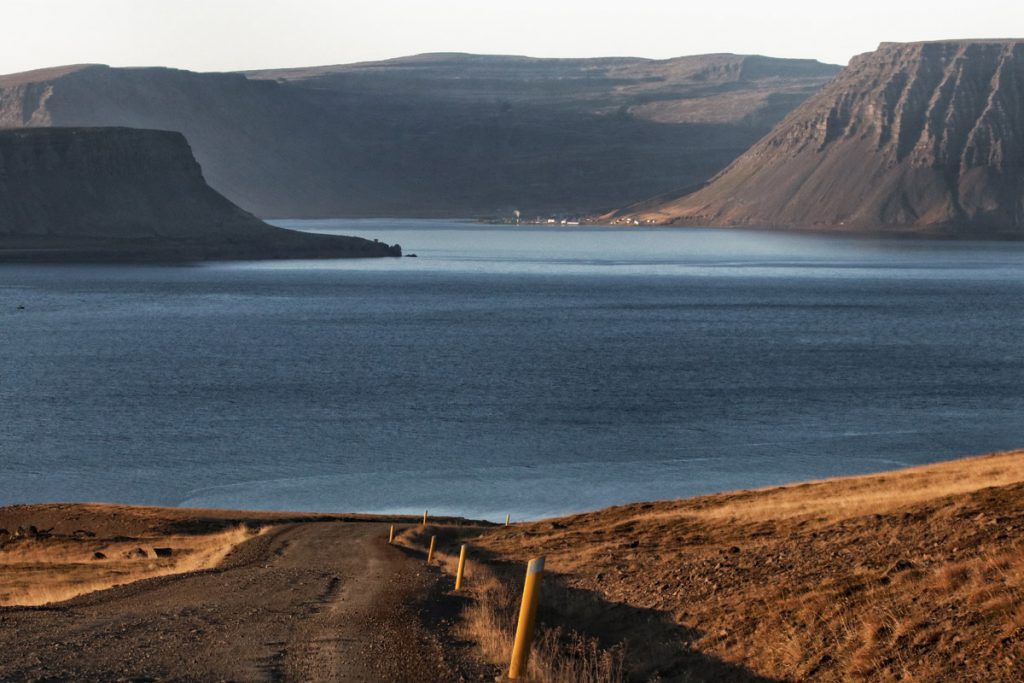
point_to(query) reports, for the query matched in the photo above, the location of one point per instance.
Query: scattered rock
(901, 565)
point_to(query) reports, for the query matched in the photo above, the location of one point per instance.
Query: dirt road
(311, 601)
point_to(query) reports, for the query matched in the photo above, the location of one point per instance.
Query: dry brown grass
(558, 655)
(42, 571)
(915, 575)
(834, 499)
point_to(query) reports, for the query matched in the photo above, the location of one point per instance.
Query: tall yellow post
(462, 567)
(391, 535)
(527, 618)
(430, 553)
(424, 518)
(507, 519)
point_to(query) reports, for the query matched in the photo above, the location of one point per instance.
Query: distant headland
(119, 194)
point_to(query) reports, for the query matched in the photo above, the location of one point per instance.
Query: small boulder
(98, 556)
(163, 552)
(901, 565)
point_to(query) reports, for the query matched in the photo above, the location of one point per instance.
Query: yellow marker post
(462, 567)
(391, 536)
(424, 518)
(507, 519)
(527, 618)
(430, 553)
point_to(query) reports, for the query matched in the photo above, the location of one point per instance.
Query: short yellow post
(527, 618)
(424, 518)
(462, 567)
(507, 519)
(430, 553)
(391, 536)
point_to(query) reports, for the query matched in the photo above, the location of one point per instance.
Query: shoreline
(56, 519)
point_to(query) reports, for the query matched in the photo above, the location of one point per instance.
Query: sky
(228, 35)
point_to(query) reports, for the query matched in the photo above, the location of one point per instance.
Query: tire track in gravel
(311, 601)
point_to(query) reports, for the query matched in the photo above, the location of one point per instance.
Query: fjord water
(528, 370)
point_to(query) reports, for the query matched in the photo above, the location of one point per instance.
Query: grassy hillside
(914, 575)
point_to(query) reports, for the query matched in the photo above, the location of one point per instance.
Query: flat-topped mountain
(439, 135)
(113, 193)
(912, 138)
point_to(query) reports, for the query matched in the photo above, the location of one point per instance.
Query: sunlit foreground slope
(911, 575)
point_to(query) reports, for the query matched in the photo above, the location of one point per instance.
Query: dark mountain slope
(127, 193)
(439, 135)
(921, 138)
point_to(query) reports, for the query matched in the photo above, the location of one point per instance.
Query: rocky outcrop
(438, 135)
(924, 138)
(125, 193)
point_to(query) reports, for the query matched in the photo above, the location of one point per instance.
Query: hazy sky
(210, 35)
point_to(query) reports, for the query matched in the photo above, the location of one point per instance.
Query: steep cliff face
(438, 135)
(117, 189)
(919, 137)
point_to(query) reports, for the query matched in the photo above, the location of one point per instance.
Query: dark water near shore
(530, 371)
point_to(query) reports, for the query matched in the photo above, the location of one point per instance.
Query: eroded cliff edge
(914, 138)
(125, 194)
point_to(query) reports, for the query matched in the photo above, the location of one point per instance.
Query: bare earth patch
(306, 597)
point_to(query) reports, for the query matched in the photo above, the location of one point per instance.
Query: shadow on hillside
(656, 648)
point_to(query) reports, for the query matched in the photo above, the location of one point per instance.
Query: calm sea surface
(522, 370)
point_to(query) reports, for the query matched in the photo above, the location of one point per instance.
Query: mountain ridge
(920, 138)
(437, 135)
